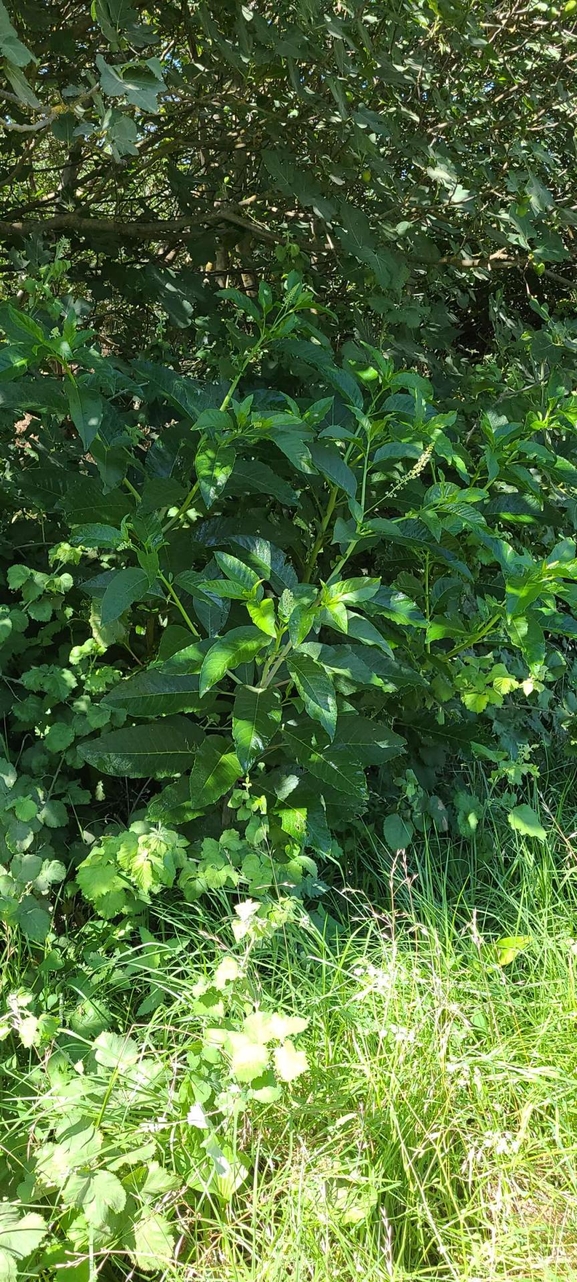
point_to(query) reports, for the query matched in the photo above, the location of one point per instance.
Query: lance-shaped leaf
(255, 719)
(216, 770)
(316, 690)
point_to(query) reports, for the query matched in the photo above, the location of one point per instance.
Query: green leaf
(263, 615)
(509, 947)
(316, 690)
(97, 536)
(10, 44)
(121, 1054)
(237, 571)
(398, 832)
(98, 1194)
(240, 645)
(249, 1059)
(164, 748)
(252, 475)
(86, 410)
(139, 83)
(153, 1245)
(330, 463)
(20, 1235)
(214, 464)
(126, 587)
(215, 771)
(337, 766)
(289, 1062)
(524, 820)
(33, 919)
(255, 720)
(158, 692)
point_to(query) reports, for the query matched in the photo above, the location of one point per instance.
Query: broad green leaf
(332, 466)
(215, 771)
(20, 1235)
(33, 918)
(98, 1193)
(398, 832)
(255, 720)
(316, 690)
(351, 591)
(524, 819)
(86, 410)
(239, 645)
(337, 767)
(11, 46)
(214, 464)
(263, 615)
(126, 587)
(509, 947)
(153, 1243)
(118, 1053)
(165, 747)
(97, 536)
(289, 1062)
(253, 476)
(237, 571)
(249, 1059)
(139, 83)
(157, 692)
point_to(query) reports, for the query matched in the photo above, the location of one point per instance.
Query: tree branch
(160, 229)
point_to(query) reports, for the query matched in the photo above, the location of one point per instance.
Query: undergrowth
(433, 1133)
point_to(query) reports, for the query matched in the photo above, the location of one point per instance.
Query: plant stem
(178, 604)
(319, 541)
(478, 636)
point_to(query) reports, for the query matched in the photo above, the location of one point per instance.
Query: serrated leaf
(126, 587)
(153, 1243)
(289, 1063)
(316, 690)
(240, 645)
(524, 819)
(33, 919)
(216, 770)
(118, 1053)
(214, 464)
(164, 748)
(20, 1235)
(248, 1059)
(255, 719)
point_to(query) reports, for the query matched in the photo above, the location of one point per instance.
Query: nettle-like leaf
(316, 689)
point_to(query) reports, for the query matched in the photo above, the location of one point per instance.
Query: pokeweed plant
(282, 589)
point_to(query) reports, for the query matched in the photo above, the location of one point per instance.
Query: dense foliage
(416, 156)
(287, 546)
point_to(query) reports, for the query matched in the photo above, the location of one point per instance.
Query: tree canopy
(417, 158)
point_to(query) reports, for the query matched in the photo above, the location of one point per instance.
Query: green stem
(182, 509)
(319, 541)
(274, 666)
(479, 636)
(130, 487)
(179, 605)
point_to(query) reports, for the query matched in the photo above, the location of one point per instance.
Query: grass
(435, 1135)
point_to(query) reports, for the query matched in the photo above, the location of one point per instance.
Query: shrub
(317, 593)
